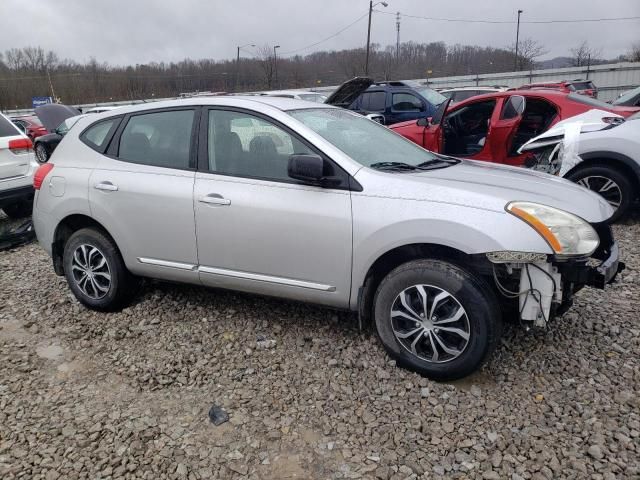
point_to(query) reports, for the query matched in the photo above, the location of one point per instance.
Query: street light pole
(275, 64)
(235, 82)
(366, 61)
(517, 40)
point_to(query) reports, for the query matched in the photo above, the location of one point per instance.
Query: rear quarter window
(97, 136)
(8, 129)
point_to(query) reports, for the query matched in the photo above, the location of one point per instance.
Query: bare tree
(528, 51)
(267, 63)
(634, 52)
(583, 54)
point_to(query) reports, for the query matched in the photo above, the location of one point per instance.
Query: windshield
(65, 126)
(583, 86)
(433, 97)
(364, 140)
(625, 97)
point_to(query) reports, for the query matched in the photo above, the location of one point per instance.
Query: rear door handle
(215, 199)
(108, 186)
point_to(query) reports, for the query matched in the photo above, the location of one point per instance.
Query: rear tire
(19, 210)
(609, 183)
(96, 272)
(460, 320)
(42, 153)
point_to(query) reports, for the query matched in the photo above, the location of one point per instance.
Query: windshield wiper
(394, 166)
(438, 161)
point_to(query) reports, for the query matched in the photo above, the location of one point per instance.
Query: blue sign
(39, 101)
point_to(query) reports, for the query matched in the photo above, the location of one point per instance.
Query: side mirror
(311, 169)
(424, 121)
(376, 117)
(308, 168)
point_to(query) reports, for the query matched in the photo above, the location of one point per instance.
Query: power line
(463, 20)
(328, 38)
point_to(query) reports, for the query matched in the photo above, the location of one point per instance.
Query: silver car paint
(307, 258)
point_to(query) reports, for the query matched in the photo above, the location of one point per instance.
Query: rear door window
(161, 139)
(7, 129)
(406, 102)
(373, 101)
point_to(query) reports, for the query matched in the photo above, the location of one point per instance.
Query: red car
(494, 126)
(583, 87)
(30, 125)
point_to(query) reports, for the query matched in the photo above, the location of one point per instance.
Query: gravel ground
(126, 395)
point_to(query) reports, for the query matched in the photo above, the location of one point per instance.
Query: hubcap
(604, 186)
(430, 323)
(91, 271)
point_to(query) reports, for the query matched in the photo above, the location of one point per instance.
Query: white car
(17, 166)
(598, 150)
(298, 94)
(99, 110)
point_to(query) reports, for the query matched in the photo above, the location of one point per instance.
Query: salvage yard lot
(126, 395)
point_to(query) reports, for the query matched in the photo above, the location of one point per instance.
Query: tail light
(21, 145)
(40, 174)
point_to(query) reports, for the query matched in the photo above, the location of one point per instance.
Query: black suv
(395, 101)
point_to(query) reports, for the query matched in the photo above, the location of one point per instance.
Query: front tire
(96, 272)
(42, 154)
(437, 319)
(609, 183)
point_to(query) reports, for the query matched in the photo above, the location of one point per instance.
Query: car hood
(53, 114)
(349, 91)
(488, 186)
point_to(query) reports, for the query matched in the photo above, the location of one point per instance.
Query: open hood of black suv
(349, 91)
(53, 114)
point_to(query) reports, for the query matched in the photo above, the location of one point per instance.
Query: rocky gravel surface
(127, 395)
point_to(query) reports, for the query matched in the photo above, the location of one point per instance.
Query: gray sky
(140, 31)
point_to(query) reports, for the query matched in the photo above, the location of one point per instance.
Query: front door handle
(107, 186)
(215, 199)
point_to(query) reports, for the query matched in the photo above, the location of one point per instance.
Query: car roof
(280, 103)
(466, 89)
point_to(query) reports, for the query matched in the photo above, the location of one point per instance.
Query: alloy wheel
(605, 187)
(41, 154)
(91, 271)
(430, 323)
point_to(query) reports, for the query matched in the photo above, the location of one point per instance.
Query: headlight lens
(565, 233)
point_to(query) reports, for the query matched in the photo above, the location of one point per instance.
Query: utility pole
(235, 82)
(275, 64)
(366, 61)
(53, 94)
(517, 40)
(397, 36)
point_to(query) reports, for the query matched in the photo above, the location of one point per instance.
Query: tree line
(33, 71)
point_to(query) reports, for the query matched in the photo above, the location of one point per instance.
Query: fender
(606, 155)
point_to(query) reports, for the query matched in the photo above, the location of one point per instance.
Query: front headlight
(566, 234)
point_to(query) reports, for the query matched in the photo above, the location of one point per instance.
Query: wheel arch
(399, 255)
(67, 227)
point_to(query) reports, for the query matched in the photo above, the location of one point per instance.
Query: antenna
(397, 36)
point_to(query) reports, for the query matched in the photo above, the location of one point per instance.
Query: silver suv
(314, 203)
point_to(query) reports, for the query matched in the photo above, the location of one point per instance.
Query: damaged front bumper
(545, 288)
